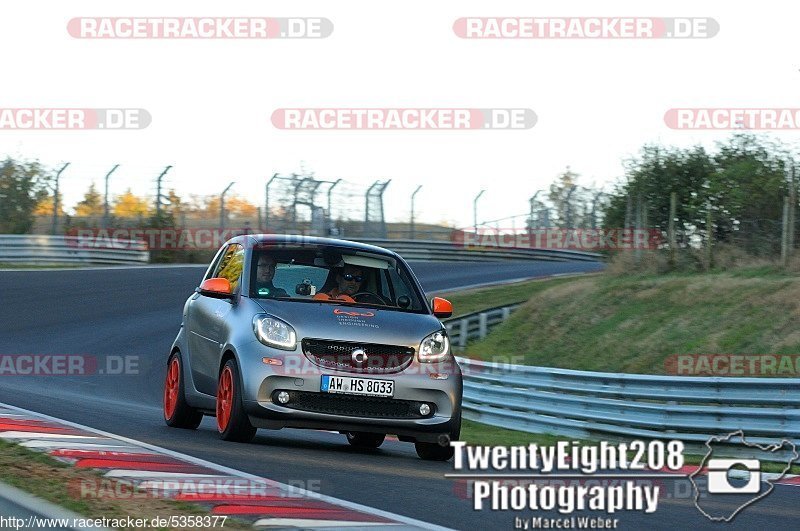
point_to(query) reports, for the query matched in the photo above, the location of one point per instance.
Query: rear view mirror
(306, 288)
(442, 307)
(219, 288)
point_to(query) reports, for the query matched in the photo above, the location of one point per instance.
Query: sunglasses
(348, 277)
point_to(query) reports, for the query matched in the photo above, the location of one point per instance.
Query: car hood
(338, 322)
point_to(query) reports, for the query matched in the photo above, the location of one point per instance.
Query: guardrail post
(482, 328)
(463, 330)
(506, 312)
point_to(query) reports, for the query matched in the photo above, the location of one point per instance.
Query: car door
(206, 322)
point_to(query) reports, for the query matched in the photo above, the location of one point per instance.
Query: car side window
(212, 272)
(231, 265)
(400, 287)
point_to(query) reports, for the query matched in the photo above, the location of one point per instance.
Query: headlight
(273, 332)
(435, 347)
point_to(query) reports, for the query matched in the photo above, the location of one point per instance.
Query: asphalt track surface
(136, 312)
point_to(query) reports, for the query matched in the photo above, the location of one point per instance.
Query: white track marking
(238, 473)
(127, 473)
(84, 446)
(36, 435)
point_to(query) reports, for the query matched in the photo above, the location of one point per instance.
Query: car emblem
(359, 356)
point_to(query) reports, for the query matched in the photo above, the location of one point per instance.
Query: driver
(348, 282)
(265, 272)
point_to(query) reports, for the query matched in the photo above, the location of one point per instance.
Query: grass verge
(475, 299)
(61, 484)
(634, 324)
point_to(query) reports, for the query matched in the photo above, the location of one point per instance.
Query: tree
(652, 177)
(45, 205)
(91, 204)
(241, 207)
(747, 192)
(740, 187)
(128, 205)
(174, 203)
(568, 199)
(23, 185)
(234, 206)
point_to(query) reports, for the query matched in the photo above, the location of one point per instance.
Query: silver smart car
(301, 332)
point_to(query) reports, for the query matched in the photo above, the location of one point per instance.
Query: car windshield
(333, 275)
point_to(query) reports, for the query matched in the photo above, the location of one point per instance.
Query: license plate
(356, 386)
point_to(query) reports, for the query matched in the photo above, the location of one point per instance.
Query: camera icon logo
(731, 493)
(719, 482)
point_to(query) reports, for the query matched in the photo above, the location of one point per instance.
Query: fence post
(785, 233)
(792, 209)
(673, 200)
(637, 253)
(709, 239)
(628, 209)
(55, 200)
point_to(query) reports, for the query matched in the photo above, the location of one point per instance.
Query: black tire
(433, 451)
(365, 440)
(455, 433)
(238, 427)
(437, 452)
(182, 414)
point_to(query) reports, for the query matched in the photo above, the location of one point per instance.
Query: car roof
(252, 240)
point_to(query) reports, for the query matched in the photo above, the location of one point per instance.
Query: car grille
(354, 406)
(339, 355)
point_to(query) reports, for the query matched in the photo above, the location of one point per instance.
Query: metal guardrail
(595, 405)
(438, 251)
(476, 325)
(40, 249)
(615, 406)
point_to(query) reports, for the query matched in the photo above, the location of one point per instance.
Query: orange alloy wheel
(172, 387)
(224, 399)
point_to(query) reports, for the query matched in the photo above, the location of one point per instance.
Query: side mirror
(442, 307)
(219, 288)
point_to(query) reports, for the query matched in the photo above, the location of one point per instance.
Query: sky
(597, 101)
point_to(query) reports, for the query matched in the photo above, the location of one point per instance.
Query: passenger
(265, 272)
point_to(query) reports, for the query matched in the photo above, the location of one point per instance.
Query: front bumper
(302, 379)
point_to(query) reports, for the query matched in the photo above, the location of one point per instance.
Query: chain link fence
(292, 204)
